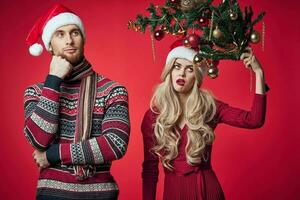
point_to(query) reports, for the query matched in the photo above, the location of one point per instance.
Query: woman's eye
(177, 66)
(190, 69)
(75, 33)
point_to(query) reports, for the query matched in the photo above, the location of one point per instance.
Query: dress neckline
(181, 129)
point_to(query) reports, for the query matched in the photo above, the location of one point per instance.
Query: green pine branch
(235, 32)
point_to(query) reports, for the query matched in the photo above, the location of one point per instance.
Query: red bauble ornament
(194, 40)
(159, 34)
(203, 21)
(174, 1)
(215, 62)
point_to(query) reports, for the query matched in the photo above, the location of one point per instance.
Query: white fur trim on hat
(58, 21)
(181, 52)
(36, 49)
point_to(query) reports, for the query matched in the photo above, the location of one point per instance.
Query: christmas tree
(217, 32)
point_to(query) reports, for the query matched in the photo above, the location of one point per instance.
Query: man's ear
(50, 49)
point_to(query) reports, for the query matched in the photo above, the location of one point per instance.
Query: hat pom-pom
(36, 49)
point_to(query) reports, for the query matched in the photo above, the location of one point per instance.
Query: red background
(251, 164)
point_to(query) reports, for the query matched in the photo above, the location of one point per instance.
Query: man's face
(67, 42)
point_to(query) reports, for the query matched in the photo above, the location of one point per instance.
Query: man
(77, 120)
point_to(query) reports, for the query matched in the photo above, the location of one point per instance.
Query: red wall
(251, 164)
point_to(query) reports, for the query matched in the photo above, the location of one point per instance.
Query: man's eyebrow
(72, 30)
(177, 63)
(59, 31)
(75, 29)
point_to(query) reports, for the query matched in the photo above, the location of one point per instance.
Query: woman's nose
(182, 72)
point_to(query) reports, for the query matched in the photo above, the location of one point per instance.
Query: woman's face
(183, 76)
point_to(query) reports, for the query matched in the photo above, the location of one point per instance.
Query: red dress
(188, 182)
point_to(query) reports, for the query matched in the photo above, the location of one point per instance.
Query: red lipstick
(180, 82)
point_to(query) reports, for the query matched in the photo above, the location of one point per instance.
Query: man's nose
(69, 39)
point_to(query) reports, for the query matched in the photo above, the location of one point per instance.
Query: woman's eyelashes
(177, 66)
(190, 69)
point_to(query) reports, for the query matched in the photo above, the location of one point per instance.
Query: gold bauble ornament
(134, 26)
(164, 29)
(233, 15)
(180, 32)
(197, 58)
(217, 33)
(213, 72)
(255, 37)
(187, 5)
(186, 43)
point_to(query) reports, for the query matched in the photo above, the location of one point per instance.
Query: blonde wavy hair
(200, 109)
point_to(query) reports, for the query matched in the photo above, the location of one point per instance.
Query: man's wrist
(53, 82)
(52, 154)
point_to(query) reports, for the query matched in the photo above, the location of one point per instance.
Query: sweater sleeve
(110, 145)
(150, 170)
(254, 118)
(42, 112)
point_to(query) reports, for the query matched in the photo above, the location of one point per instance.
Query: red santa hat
(179, 51)
(46, 25)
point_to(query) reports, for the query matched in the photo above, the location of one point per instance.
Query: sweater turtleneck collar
(80, 71)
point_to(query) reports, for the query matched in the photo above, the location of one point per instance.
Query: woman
(178, 129)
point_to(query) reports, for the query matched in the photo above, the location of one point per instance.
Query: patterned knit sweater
(50, 122)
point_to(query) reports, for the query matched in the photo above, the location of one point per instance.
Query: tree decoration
(187, 5)
(233, 15)
(255, 37)
(133, 25)
(174, 1)
(193, 40)
(263, 36)
(213, 72)
(217, 32)
(197, 59)
(164, 29)
(186, 43)
(203, 21)
(224, 29)
(159, 34)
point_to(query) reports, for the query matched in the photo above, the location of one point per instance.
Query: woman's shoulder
(149, 119)
(151, 114)
(219, 103)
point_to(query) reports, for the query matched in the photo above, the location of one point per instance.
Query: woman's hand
(41, 159)
(250, 61)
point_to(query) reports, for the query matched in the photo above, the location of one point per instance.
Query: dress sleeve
(237, 117)
(150, 165)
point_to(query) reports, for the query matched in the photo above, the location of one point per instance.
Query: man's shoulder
(35, 88)
(104, 83)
